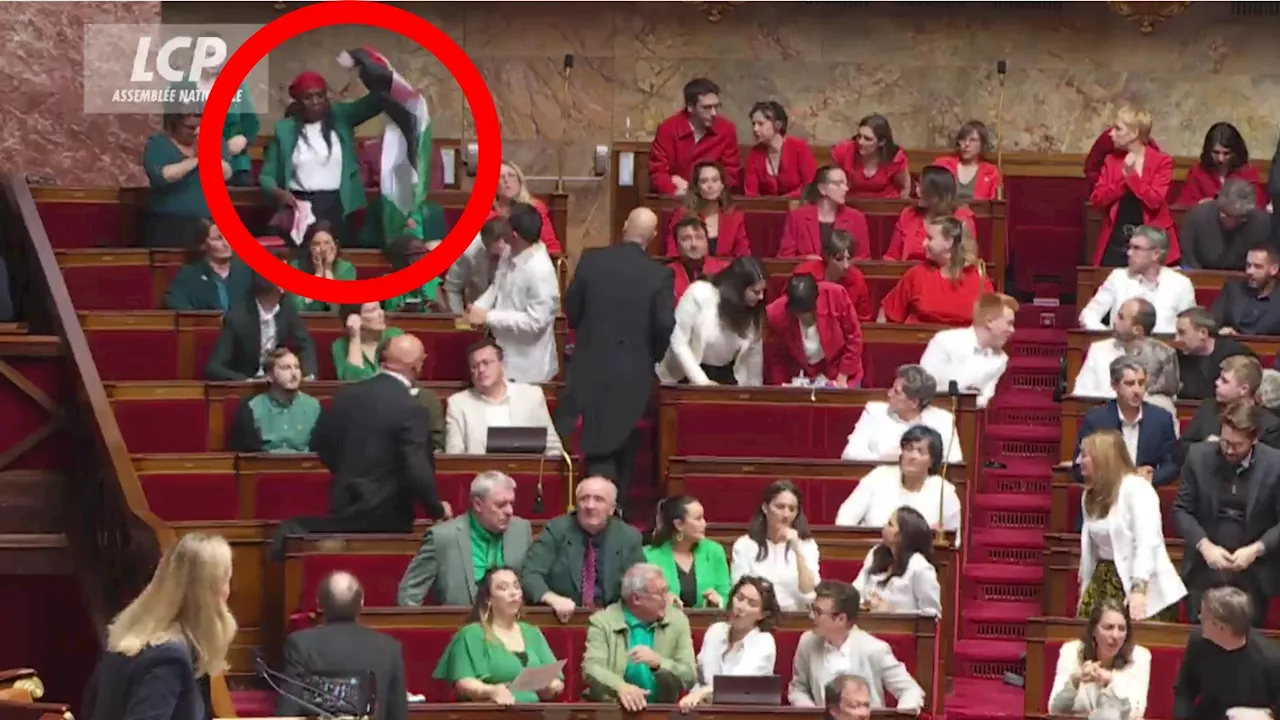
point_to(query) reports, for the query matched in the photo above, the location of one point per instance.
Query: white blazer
(466, 423)
(1137, 539)
(877, 495)
(1129, 683)
(756, 655)
(697, 321)
(916, 591)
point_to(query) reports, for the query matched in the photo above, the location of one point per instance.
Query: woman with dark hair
(1223, 156)
(936, 191)
(914, 482)
(712, 202)
(312, 157)
(320, 255)
(779, 548)
(716, 340)
(696, 568)
(175, 201)
(807, 228)
(214, 279)
(1103, 665)
(357, 355)
(941, 290)
(401, 253)
(489, 653)
(876, 166)
(898, 575)
(778, 165)
(976, 179)
(742, 644)
(813, 333)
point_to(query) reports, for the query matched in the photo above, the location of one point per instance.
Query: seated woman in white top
(914, 482)
(898, 575)
(741, 645)
(1122, 551)
(716, 340)
(779, 548)
(1104, 663)
(878, 435)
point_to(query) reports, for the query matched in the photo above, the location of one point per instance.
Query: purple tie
(589, 576)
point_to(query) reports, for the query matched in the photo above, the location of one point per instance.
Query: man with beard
(279, 420)
(1131, 336)
(1244, 306)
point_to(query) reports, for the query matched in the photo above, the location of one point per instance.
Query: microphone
(270, 675)
(560, 151)
(1002, 67)
(953, 388)
(568, 61)
(953, 391)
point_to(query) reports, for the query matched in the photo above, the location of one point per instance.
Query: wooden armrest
(8, 676)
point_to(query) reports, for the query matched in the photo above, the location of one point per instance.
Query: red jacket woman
(802, 231)
(813, 331)
(1150, 187)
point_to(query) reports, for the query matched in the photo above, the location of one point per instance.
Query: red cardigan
(838, 330)
(674, 152)
(906, 243)
(1202, 184)
(1151, 189)
(548, 237)
(852, 281)
(710, 266)
(731, 240)
(796, 168)
(986, 184)
(802, 237)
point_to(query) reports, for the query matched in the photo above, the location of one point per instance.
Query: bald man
(375, 440)
(621, 307)
(342, 652)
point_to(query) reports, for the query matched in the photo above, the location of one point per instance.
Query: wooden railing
(116, 541)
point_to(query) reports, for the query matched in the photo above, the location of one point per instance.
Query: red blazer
(906, 243)
(674, 152)
(838, 330)
(852, 281)
(801, 235)
(1202, 184)
(796, 168)
(880, 185)
(1102, 147)
(986, 184)
(730, 242)
(710, 266)
(548, 232)
(1151, 188)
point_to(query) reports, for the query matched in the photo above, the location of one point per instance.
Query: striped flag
(406, 143)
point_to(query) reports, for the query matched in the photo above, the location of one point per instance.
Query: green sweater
(182, 197)
(241, 120)
(710, 568)
(347, 371)
(342, 270)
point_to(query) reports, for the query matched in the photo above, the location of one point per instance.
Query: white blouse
(1129, 683)
(916, 591)
(754, 656)
(778, 567)
(812, 340)
(721, 348)
(880, 493)
(1099, 532)
(877, 436)
(316, 168)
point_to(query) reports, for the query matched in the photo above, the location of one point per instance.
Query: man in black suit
(240, 352)
(1228, 513)
(374, 440)
(324, 662)
(1244, 306)
(621, 306)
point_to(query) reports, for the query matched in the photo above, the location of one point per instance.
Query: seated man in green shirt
(278, 420)
(639, 649)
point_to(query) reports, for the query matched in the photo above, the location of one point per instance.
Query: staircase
(1008, 514)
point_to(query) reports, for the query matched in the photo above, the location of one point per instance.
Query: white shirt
(812, 340)
(779, 568)
(954, 355)
(1129, 431)
(1171, 293)
(916, 591)
(720, 348)
(316, 167)
(468, 277)
(699, 337)
(880, 493)
(267, 334)
(1129, 683)
(754, 656)
(877, 437)
(522, 303)
(498, 414)
(1094, 379)
(1098, 531)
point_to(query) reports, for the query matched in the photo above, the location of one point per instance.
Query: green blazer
(242, 119)
(195, 287)
(709, 565)
(277, 165)
(605, 659)
(554, 563)
(342, 270)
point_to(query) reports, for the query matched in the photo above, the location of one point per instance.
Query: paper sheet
(536, 678)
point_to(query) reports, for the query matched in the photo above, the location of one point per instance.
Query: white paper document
(536, 678)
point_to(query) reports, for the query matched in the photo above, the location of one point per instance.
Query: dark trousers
(369, 522)
(1247, 581)
(619, 466)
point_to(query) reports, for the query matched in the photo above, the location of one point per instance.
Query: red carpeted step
(1017, 443)
(1006, 547)
(997, 620)
(979, 699)
(988, 659)
(1029, 479)
(1010, 511)
(995, 582)
(1032, 408)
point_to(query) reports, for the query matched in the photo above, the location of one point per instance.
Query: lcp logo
(209, 53)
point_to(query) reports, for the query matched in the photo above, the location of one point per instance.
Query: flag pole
(568, 68)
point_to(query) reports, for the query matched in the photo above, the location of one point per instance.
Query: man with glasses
(1244, 306)
(837, 646)
(1169, 291)
(1216, 234)
(695, 134)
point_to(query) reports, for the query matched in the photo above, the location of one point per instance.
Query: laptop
(516, 441)
(760, 690)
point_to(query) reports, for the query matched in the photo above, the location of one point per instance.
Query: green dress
(472, 655)
(342, 270)
(347, 371)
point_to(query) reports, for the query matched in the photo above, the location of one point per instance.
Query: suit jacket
(802, 232)
(443, 562)
(237, 353)
(1156, 439)
(681, 277)
(195, 287)
(346, 647)
(159, 682)
(1206, 423)
(1151, 188)
(374, 438)
(1197, 506)
(467, 428)
(554, 563)
(839, 332)
(605, 660)
(871, 658)
(620, 306)
(1232, 308)
(731, 237)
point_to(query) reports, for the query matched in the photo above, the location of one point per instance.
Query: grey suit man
(445, 561)
(1228, 513)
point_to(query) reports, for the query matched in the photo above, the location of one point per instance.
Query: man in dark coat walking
(622, 309)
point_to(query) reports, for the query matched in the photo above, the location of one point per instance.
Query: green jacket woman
(682, 526)
(373, 327)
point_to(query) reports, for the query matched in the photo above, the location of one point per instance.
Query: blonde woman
(487, 655)
(1122, 551)
(941, 290)
(512, 189)
(176, 631)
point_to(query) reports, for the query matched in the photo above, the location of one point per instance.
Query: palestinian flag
(406, 143)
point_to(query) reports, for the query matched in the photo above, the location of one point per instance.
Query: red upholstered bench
(1067, 495)
(85, 217)
(189, 488)
(108, 280)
